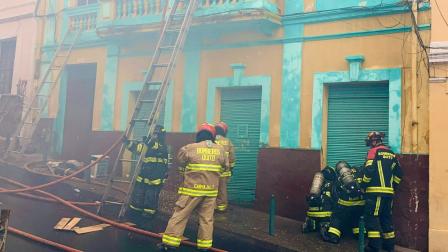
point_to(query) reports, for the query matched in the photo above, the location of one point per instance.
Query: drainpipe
(36, 7)
(414, 80)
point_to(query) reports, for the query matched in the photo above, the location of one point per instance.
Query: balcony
(144, 15)
(81, 18)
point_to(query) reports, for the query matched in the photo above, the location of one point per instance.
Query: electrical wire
(440, 11)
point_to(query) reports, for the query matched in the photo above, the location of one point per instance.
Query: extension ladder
(26, 127)
(175, 26)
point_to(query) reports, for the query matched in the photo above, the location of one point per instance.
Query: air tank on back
(345, 174)
(316, 186)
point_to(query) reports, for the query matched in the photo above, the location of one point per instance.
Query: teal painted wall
(291, 80)
(334, 4)
(109, 88)
(58, 127)
(190, 90)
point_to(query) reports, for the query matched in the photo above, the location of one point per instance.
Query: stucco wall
(438, 199)
(438, 174)
(16, 21)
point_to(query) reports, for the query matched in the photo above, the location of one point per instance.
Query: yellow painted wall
(438, 173)
(438, 159)
(382, 51)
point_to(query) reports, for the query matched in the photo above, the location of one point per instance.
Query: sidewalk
(248, 224)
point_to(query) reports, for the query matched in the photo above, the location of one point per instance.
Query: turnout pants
(145, 198)
(344, 217)
(379, 224)
(184, 208)
(221, 200)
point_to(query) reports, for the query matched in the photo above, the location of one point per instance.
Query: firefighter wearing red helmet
(203, 163)
(382, 175)
(221, 139)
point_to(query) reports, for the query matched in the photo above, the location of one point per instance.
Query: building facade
(300, 83)
(438, 84)
(18, 30)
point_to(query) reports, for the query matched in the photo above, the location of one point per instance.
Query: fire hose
(80, 170)
(30, 169)
(99, 218)
(42, 240)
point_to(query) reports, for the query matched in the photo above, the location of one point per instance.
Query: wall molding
(392, 75)
(240, 80)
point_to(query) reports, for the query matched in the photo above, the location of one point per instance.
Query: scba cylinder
(345, 173)
(316, 186)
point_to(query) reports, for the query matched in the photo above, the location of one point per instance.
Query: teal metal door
(241, 110)
(353, 111)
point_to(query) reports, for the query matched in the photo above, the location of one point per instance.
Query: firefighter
(349, 203)
(145, 196)
(221, 139)
(382, 176)
(203, 162)
(320, 201)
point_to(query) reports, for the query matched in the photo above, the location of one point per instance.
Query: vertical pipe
(362, 231)
(272, 209)
(414, 81)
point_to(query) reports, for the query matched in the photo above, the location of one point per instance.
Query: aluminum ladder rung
(140, 120)
(129, 160)
(154, 83)
(160, 65)
(147, 101)
(170, 47)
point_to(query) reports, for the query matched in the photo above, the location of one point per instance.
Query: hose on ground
(102, 219)
(29, 169)
(42, 240)
(80, 170)
(46, 199)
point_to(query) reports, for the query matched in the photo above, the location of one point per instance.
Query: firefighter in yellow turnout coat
(204, 161)
(221, 139)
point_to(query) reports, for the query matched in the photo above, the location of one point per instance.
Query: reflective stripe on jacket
(203, 162)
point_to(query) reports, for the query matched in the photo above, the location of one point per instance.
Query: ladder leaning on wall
(174, 29)
(39, 101)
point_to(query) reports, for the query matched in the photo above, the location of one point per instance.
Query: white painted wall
(16, 20)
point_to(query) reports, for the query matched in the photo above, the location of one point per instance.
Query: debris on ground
(90, 229)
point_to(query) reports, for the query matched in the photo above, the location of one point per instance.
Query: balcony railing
(133, 8)
(141, 12)
(85, 22)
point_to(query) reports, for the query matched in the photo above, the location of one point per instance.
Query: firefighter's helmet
(374, 136)
(222, 128)
(206, 132)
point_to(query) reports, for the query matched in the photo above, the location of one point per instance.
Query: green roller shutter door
(241, 110)
(140, 128)
(353, 111)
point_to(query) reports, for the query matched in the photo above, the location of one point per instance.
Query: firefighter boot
(166, 248)
(309, 225)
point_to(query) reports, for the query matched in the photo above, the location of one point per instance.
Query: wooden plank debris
(90, 229)
(61, 224)
(72, 224)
